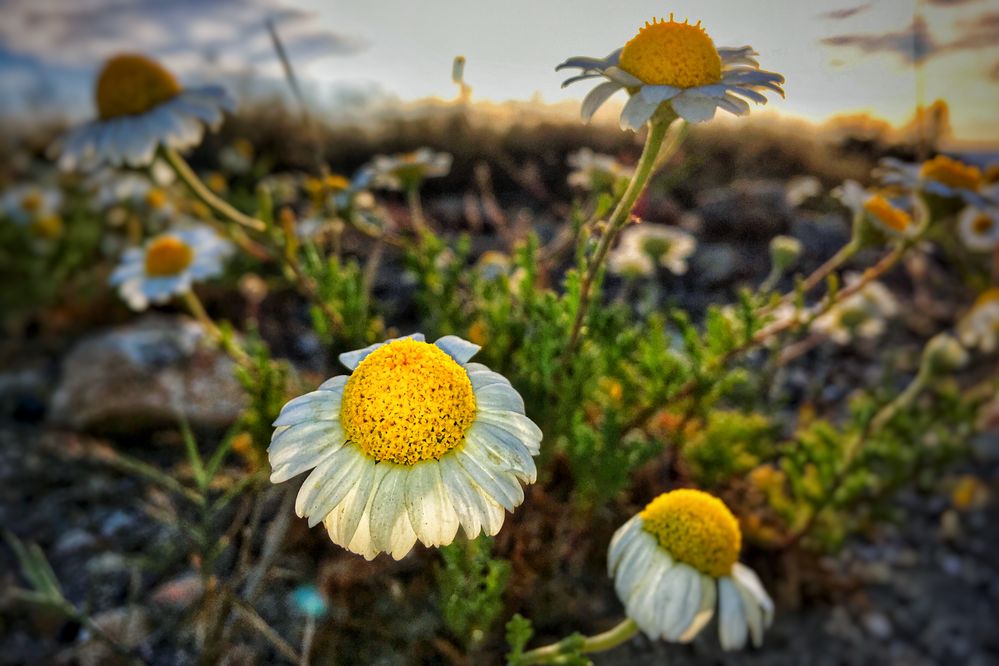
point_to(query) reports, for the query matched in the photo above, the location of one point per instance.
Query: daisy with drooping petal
(887, 216)
(860, 315)
(414, 443)
(675, 561)
(141, 106)
(942, 176)
(168, 264)
(644, 245)
(675, 64)
(596, 171)
(408, 170)
(979, 228)
(980, 327)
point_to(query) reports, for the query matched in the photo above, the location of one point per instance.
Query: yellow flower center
(982, 224)
(673, 54)
(951, 172)
(407, 402)
(891, 217)
(991, 174)
(156, 198)
(47, 226)
(133, 84)
(31, 202)
(987, 296)
(167, 255)
(695, 528)
(336, 183)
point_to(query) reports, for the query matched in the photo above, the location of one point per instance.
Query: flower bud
(784, 252)
(943, 354)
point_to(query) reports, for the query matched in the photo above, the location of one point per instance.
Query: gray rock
(142, 376)
(745, 210)
(877, 625)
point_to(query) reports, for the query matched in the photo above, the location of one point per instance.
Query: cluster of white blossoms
(644, 246)
(406, 171)
(675, 65)
(898, 218)
(862, 315)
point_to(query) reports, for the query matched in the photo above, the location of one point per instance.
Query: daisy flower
(980, 327)
(644, 245)
(25, 204)
(676, 560)
(140, 106)
(414, 443)
(942, 176)
(860, 315)
(596, 171)
(889, 217)
(408, 170)
(979, 228)
(135, 190)
(168, 264)
(675, 64)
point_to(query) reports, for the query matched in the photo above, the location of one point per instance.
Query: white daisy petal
(636, 112)
(328, 484)
(498, 397)
(519, 426)
(596, 98)
(694, 108)
(732, 627)
(505, 490)
(620, 543)
(681, 589)
(317, 406)
(457, 348)
(342, 522)
(748, 580)
(432, 517)
(297, 448)
(709, 596)
(503, 450)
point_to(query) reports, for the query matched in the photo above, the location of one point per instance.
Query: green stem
(205, 195)
(416, 210)
(658, 127)
(605, 641)
(228, 344)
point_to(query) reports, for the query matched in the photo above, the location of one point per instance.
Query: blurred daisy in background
(168, 264)
(237, 157)
(800, 189)
(134, 190)
(675, 64)
(407, 171)
(596, 171)
(36, 207)
(413, 443)
(887, 216)
(979, 227)
(980, 327)
(677, 560)
(860, 315)
(942, 176)
(645, 245)
(141, 106)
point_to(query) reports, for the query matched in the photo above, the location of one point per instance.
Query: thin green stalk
(658, 127)
(205, 195)
(228, 344)
(599, 643)
(416, 210)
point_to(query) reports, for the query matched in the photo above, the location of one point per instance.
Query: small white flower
(406, 170)
(416, 442)
(675, 64)
(27, 203)
(980, 327)
(646, 244)
(168, 264)
(860, 315)
(942, 176)
(979, 227)
(141, 106)
(676, 561)
(596, 171)
(800, 189)
(894, 218)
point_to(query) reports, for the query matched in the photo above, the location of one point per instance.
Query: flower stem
(658, 127)
(605, 641)
(228, 344)
(205, 195)
(416, 210)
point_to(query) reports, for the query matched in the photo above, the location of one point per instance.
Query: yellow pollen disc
(47, 226)
(987, 296)
(32, 202)
(695, 528)
(133, 84)
(407, 402)
(167, 255)
(891, 217)
(156, 198)
(948, 171)
(673, 54)
(982, 224)
(336, 183)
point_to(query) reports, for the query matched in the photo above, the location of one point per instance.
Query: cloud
(994, 72)
(950, 3)
(82, 33)
(845, 13)
(913, 44)
(979, 32)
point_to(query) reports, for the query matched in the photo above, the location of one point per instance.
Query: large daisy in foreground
(413, 443)
(677, 64)
(141, 106)
(676, 560)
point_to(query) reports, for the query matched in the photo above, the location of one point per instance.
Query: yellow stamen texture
(949, 171)
(695, 528)
(673, 54)
(891, 217)
(133, 84)
(407, 402)
(156, 198)
(167, 255)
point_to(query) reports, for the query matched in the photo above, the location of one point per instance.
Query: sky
(839, 56)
